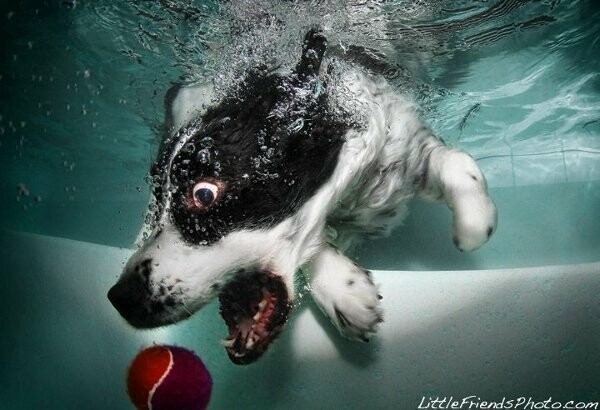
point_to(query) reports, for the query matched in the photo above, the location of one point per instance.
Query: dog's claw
(355, 310)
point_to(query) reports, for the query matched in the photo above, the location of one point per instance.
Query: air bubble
(69, 166)
(22, 190)
(203, 156)
(206, 142)
(297, 125)
(189, 147)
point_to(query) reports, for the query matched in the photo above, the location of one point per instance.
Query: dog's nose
(130, 292)
(120, 296)
(130, 296)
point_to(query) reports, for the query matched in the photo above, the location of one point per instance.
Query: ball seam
(162, 378)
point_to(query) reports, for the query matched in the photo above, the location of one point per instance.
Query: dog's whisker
(186, 309)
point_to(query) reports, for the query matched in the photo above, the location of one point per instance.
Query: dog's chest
(396, 140)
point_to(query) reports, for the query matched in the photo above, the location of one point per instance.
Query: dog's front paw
(465, 190)
(347, 294)
(475, 220)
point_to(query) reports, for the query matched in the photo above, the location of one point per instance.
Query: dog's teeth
(249, 343)
(227, 342)
(261, 305)
(257, 316)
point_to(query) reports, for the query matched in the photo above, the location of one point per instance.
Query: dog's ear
(313, 49)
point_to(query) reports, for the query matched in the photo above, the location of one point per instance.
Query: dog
(285, 175)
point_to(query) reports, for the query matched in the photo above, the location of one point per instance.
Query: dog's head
(229, 191)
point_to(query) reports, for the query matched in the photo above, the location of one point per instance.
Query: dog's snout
(130, 294)
(143, 269)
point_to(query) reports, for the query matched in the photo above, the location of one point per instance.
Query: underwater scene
(87, 96)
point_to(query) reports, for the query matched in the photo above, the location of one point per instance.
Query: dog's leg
(346, 293)
(453, 176)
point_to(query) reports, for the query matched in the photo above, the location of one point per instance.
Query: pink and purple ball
(165, 377)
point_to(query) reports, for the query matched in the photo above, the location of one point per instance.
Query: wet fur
(352, 177)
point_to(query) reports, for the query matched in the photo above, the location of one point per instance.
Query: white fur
(367, 193)
(346, 293)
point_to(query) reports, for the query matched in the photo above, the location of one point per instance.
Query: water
(515, 83)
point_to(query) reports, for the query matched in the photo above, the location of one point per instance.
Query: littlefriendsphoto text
(520, 403)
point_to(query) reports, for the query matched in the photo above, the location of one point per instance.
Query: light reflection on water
(82, 84)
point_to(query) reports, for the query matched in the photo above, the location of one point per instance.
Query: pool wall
(524, 332)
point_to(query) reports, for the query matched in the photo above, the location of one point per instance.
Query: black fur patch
(273, 145)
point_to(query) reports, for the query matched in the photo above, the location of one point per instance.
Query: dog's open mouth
(255, 307)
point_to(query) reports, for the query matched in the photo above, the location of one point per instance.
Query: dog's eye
(204, 194)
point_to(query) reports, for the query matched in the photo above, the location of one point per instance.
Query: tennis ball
(165, 377)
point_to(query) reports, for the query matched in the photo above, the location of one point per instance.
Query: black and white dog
(280, 177)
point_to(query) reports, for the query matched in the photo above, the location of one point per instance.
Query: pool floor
(490, 333)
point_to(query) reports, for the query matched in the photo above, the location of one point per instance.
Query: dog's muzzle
(139, 305)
